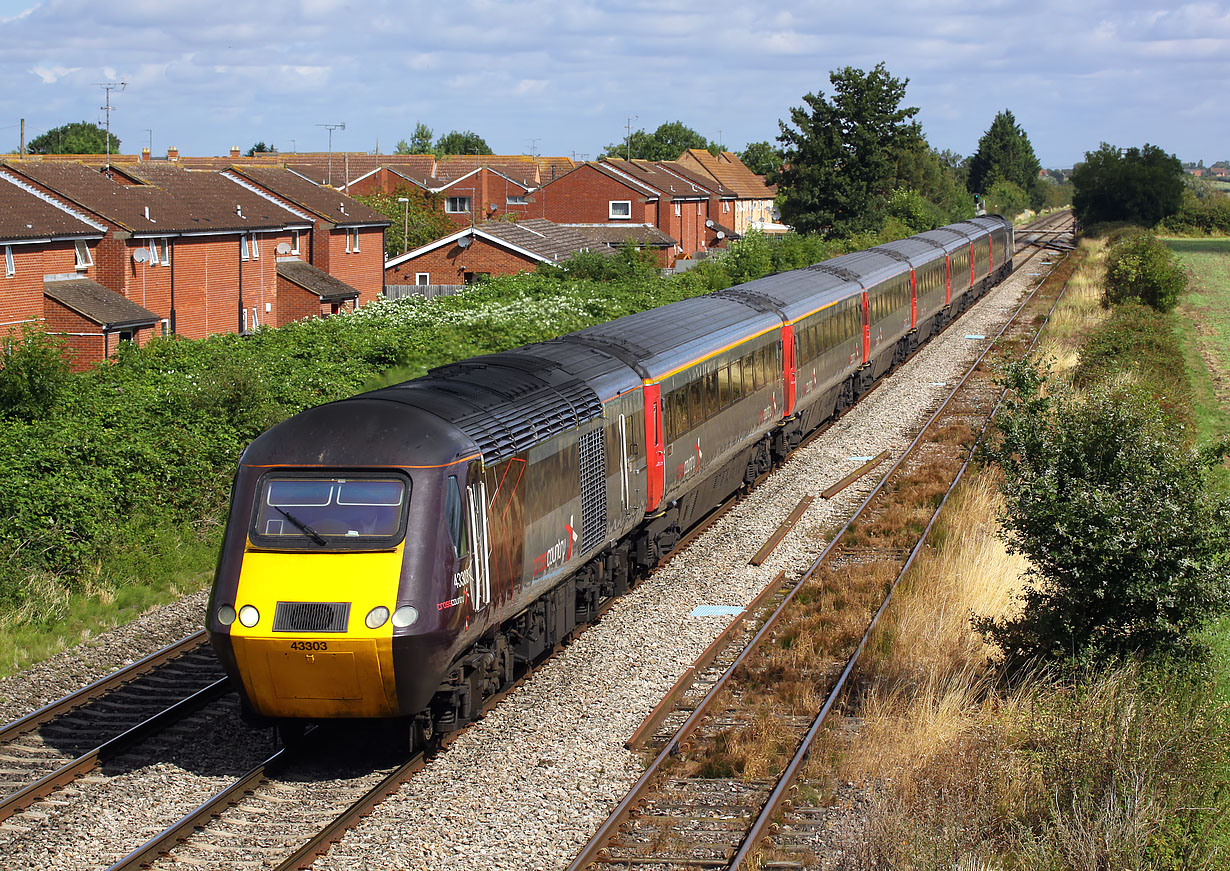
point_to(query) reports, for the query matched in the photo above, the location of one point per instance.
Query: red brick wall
(448, 264)
(147, 284)
(295, 303)
(583, 196)
(260, 278)
(83, 340)
(363, 270)
(207, 285)
(21, 297)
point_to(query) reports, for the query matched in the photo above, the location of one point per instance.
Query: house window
(515, 200)
(10, 268)
(256, 251)
(620, 209)
(294, 241)
(353, 245)
(164, 251)
(678, 208)
(726, 207)
(243, 250)
(153, 252)
(84, 260)
(166, 327)
(457, 205)
(422, 279)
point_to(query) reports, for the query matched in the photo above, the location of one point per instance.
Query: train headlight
(249, 616)
(376, 617)
(405, 616)
(226, 615)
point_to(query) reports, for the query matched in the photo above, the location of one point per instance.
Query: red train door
(913, 300)
(655, 457)
(947, 280)
(788, 366)
(866, 307)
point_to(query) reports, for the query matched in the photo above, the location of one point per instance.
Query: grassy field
(1204, 323)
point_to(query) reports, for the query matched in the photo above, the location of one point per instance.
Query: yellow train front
(346, 535)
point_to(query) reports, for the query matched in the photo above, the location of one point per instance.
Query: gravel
(527, 786)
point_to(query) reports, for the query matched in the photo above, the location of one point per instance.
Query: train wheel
(422, 734)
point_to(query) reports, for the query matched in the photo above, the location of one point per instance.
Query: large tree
(1004, 152)
(1136, 185)
(80, 137)
(761, 158)
(456, 142)
(415, 223)
(668, 142)
(840, 155)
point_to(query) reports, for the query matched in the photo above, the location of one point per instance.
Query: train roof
(799, 292)
(870, 267)
(658, 341)
(357, 432)
(916, 250)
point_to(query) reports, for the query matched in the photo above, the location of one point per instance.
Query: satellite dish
(464, 242)
(283, 248)
(140, 255)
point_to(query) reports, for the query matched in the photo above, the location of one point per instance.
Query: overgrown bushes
(1139, 268)
(1128, 547)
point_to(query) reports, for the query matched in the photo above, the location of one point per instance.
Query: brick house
(753, 198)
(346, 240)
(671, 198)
(49, 279)
(490, 248)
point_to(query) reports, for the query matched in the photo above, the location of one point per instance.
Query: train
(409, 551)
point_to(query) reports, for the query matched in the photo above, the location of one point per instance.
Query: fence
(397, 291)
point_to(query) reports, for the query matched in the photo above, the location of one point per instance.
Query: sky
(563, 77)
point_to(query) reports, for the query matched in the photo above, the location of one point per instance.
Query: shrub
(1006, 198)
(1143, 343)
(1128, 547)
(1139, 268)
(32, 373)
(1207, 216)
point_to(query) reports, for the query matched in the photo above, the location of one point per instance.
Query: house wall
(84, 341)
(207, 285)
(21, 297)
(363, 269)
(583, 196)
(449, 264)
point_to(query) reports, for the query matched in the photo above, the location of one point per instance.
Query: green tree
(415, 223)
(1141, 269)
(1128, 546)
(761, 158)
(1137, 185)
(1004, 151)
(839, 156)
(456, 142)
(1006, 198)
(420, 141)
(938, 177)
(80, 137)
(261, 148)
(668, 142)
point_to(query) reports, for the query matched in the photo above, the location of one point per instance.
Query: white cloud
(51, 75)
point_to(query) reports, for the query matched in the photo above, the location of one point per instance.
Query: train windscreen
(303, 511)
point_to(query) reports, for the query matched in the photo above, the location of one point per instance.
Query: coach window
(696, 403)
(711, 394)
(725, 398)
(736, 379)
(677, 413)
(751, 375)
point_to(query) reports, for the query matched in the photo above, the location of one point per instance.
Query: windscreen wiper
(307, 530)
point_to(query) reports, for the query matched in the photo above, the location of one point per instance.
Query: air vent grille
(311, 617)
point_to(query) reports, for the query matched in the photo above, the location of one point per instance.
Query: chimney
(145, 155)
(234, 152)
(172, 153)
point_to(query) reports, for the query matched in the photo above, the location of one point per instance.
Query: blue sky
(562, 77)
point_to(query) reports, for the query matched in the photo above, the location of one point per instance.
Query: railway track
(209, 824)
(733, 741)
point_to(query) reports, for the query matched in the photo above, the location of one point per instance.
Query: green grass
(144, 569)
(1204, 327)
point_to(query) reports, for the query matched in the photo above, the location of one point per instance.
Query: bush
(1208, 216)
(1143, 343)
(1128, 547)
(32, 373)
(1006, 198)
(1141, 269)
